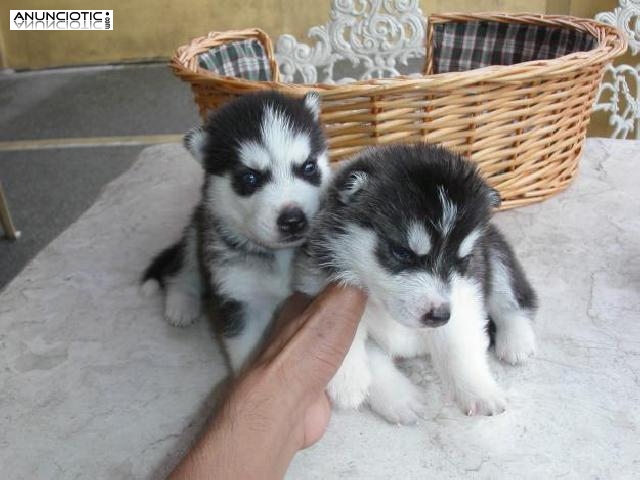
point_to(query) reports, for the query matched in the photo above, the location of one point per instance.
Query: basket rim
(611, 43)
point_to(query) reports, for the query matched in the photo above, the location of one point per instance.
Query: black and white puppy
(410, 225)
(266, 165)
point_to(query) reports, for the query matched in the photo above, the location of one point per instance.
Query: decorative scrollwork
(625, 17)
(619, 93)
(619, 96)
(375, 36)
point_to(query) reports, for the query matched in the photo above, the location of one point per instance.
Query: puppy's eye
(250, 178)
(463, 263)
(309, 168)
(403, 255)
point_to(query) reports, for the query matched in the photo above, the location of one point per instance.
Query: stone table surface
(94, 384)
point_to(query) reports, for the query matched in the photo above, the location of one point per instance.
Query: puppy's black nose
(436, 317)
(292, 221)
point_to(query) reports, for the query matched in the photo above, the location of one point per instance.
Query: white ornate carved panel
(377, 38)
(619, 94)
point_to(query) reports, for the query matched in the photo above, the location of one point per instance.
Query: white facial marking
(449, 212)
(419, 239)
(282, 141)
(466, 246)
(254, 155)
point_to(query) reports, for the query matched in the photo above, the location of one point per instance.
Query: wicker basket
(524, 124)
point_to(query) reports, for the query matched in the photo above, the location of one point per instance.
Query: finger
(333, 318)
(287, 323)
(337, 306)
(318, 348)
(294, 316)
(292, 309)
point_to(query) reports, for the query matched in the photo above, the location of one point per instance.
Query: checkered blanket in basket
(242, 59)
(458, 47)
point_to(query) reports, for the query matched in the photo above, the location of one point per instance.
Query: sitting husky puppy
(410, 225)
(266, 166)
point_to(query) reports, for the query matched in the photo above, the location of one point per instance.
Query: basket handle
(186, 57)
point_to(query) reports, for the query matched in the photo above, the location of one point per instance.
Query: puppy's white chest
(257, 282)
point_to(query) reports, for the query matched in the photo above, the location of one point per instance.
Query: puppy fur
(410, 224)
(265, 168)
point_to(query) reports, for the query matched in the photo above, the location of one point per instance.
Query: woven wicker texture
(523, 124)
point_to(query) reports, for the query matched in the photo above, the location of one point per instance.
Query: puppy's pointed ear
(194, 142)
(312, 103)
(494, 198)
(355, 182)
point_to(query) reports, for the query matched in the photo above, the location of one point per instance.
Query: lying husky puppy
(410, 225)
(266, 165)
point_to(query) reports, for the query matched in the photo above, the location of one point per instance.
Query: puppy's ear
(494, 198)
(194, 142)
(312, 103)
(355, 181)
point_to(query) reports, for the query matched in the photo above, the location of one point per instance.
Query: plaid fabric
(467, 45)
(243, 59)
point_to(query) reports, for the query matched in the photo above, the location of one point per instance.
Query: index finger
(327, 329)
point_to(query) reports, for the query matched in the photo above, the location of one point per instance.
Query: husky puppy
(265, 168)
(410, 225)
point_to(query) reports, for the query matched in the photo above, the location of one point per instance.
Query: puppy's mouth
(292, 240)
(289, 241)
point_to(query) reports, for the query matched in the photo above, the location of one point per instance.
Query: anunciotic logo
(61, 20)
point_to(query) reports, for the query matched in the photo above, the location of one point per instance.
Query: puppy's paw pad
(515, 344)
(488, 403)
(398, 401)
(181, 309)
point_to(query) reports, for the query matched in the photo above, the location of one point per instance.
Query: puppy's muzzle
(292, 221)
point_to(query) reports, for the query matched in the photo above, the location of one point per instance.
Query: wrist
(259, 426)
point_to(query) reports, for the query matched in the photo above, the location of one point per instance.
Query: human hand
(277, 405)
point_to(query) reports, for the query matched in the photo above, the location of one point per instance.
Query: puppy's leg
(350, 385)
(244, 327)
(176, 270)
(184, 287)
(391, 394)
(459, 353)
(511, 302)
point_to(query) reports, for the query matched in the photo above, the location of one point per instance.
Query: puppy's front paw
(397, 400)
(349, 390)
(181, 309)
(481, 400)
(516, 342)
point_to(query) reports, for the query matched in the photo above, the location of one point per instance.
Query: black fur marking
(491, 331)
(167, 263)
(388, 253)
(231, 314)
(524, 293)
(242, 120)
(239, 184)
